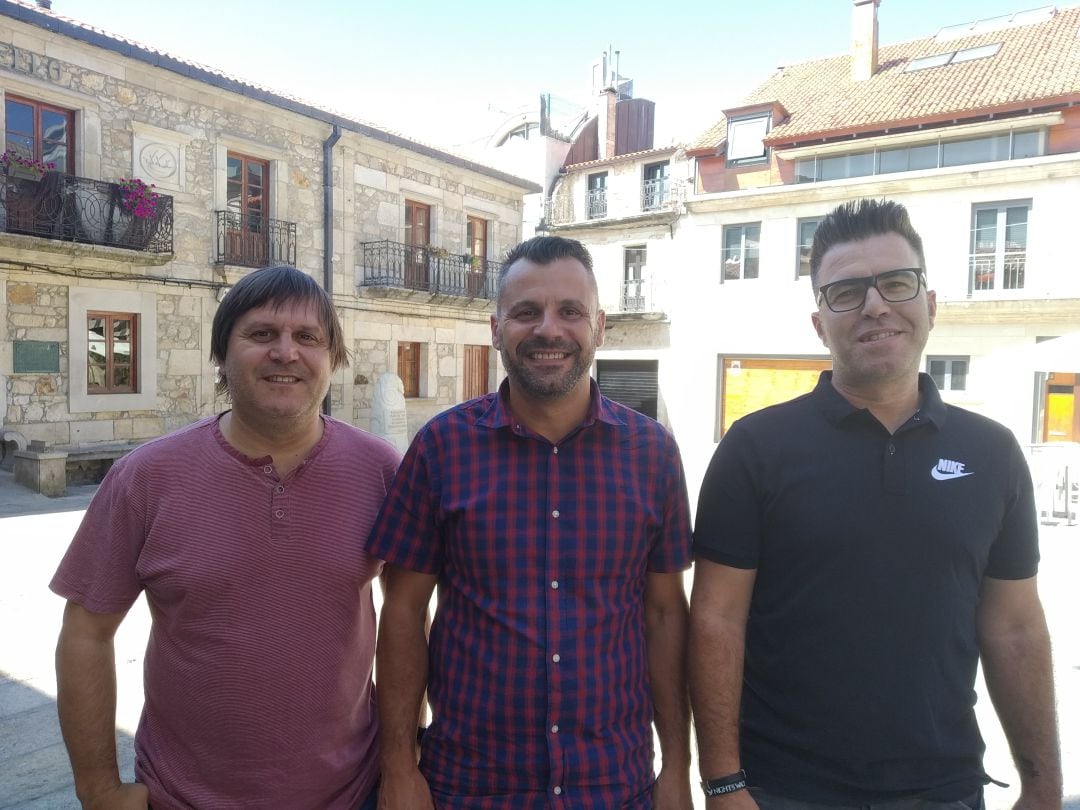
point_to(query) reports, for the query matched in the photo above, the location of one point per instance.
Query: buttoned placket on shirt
(553, 604)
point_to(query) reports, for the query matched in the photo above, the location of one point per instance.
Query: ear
(495, 340)
(931, 305)
(815, 318)
(600, 321)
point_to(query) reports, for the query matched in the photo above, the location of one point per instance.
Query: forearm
(666, 636)
(86, 703)
(402, 660)
(715, 673)
(1019, 677)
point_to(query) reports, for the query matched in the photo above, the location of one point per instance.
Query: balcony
(655, 194)
(638, 296)
(254, 241)
(428, 269)
(77, 209)
(596, 203)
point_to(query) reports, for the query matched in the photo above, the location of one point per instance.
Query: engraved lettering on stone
(159, 161)
(388, 416)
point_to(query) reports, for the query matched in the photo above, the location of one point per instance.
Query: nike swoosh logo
(938, 475)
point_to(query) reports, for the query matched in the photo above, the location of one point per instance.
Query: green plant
(9, 159)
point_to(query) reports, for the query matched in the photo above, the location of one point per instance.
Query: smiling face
(277, 363)
(880, 342)
(547, 328)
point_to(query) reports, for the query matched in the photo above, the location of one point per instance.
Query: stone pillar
(388, 416)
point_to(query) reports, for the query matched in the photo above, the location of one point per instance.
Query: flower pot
(24, 172)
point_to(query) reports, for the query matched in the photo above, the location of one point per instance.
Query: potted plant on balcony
(140, 202)
(15, 165)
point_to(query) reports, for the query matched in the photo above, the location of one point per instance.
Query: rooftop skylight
(952, 57)
(970, 29)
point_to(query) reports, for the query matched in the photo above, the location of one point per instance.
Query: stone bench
(49, 471)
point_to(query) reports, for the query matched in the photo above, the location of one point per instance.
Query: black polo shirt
(870, 549)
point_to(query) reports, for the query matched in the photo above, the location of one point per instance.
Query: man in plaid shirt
(556, 524)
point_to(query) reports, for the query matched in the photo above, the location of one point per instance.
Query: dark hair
(545, 250)
(856, 220)
(276, 286)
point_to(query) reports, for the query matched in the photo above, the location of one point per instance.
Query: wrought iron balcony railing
(393, 264)
(991, 271)
(655, 194)
(254, 241)
(596, 203)
(78, 209)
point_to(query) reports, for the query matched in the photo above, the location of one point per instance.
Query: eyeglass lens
(894, 286)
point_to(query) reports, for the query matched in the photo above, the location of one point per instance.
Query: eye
(571, 312)
(260, 335)
(845, 294)
(307, 337)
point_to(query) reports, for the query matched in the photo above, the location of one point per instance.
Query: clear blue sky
(432, 69)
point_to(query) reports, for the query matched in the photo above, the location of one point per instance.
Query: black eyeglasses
(894, 286)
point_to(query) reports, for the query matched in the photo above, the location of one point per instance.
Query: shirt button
(279, 514)
(555, 513)
(892, 449)
(557, 791)
(556, 658)
(280, 489)
(555, 450)
(555, 728)
(554, 584)
(268, 469)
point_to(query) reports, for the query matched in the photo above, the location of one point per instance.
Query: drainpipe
(328, 224)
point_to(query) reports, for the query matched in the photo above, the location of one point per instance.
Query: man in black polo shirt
(858, 550)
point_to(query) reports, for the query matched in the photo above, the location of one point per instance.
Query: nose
(549, 324)
(284, 348)
(874, 306)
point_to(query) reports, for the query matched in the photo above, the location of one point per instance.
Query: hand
(671, 791)
(738, 800)
(405, 791)
(132, 796)
(1029, 801)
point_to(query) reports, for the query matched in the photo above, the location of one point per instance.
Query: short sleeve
(1015, 552)
(728, 525)
(672, 552)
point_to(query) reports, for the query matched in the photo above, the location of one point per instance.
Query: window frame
(743, 240)
(800, 245)
(37, 136)
(656, 196)
(736, 127)
(949, 373)
(1001, 253)
(110, 388)
(596, 202)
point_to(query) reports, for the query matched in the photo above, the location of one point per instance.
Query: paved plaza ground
(34, 773)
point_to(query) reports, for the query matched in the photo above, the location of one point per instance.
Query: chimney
(864, 39)
(609, 97)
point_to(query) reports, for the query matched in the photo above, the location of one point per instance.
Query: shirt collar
(497, 412)
(837, 409)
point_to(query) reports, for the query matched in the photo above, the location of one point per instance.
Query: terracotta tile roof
(628, 157)
(1037, 63)
(30, 12)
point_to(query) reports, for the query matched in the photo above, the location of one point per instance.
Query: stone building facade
(105, 314)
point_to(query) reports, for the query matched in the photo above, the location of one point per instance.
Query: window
(247, 185)
(746, 139)
(408, 368)
(654, 187)
(1012, 145)
(949, 373)
(749, 384)
(596, 196)
(40, 131)
(476, 230)
(806, 229)
(633, 292)
(998, 246)
(741, 251)
(952, 57)
(110, 353)
(475, 373)
(417, 236)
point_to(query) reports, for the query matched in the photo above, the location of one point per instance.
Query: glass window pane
(55, 153)
(20, 145)
(1016, 228)
(20, 117)
(95, 375)
(1026, 144)
(122, 376)
(54, 126)
(923, 157)
(745, 138)
(959, 375)
(893, 160)
(804, 170)
(255, 174)
(233, 169)
(985, 230)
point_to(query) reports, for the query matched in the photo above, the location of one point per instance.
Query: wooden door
(408, 363)
(475, 372)
(417, 237)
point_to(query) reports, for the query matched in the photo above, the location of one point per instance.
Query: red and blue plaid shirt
(538, 678)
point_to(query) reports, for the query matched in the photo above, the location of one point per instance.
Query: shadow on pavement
(16, 500)
(34, 769)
